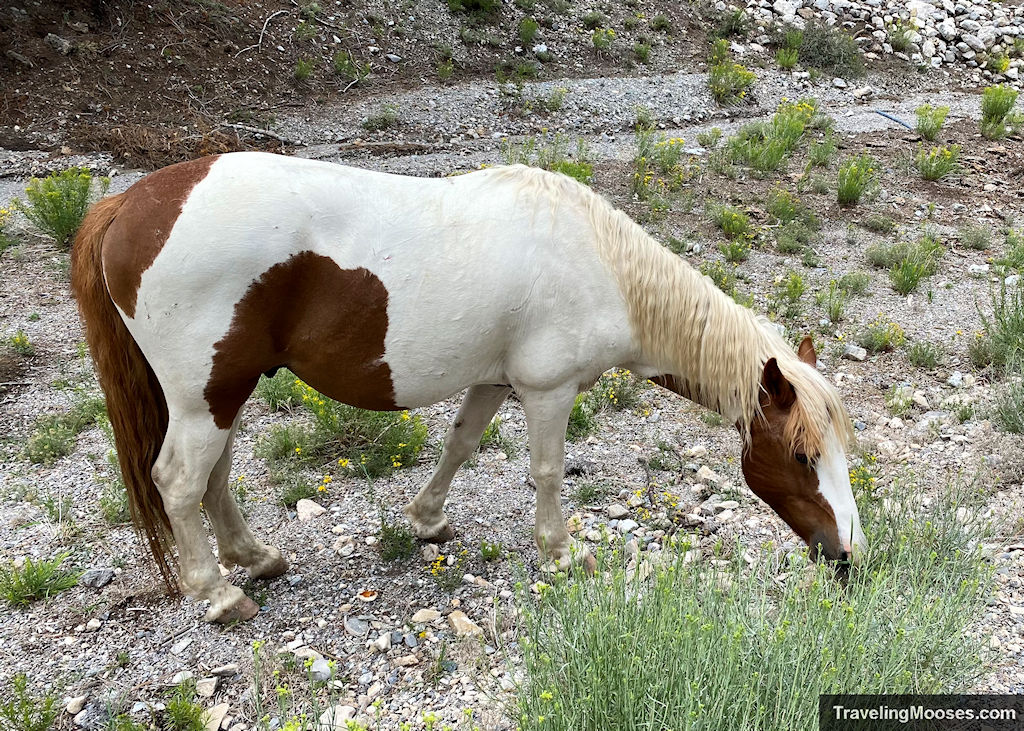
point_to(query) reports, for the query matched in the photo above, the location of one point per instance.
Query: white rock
(215, 715)
(206, 687)
(225, 671)
(181, 677)
(425, 616)
(707, 474)
(854, 352)
(463, 626)
(382, 643)
(308, 509)
(616, 511)
(75, 705)
(93, 624)
(839, 83)
(336, 718)
(627, 526)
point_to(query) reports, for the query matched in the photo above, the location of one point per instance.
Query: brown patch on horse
(138, 233)
(325, 323)
(776, 474)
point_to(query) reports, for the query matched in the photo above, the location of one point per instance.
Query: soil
(147, 84)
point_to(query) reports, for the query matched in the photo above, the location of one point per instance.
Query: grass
(735, 250)
(493, 438)
(924, 354)
(930, 120)
(731, 24)
(336, 437)
(997, 115)
(591, 493)
(1002, 344)
(582, 420)
(833, 301)
(528, 28)
(938, 162)
(786, 299)
(793, 237)
(908, 262)
(1008, 409)
(57, 203)
(709, 138)
(760, 642)
(899, 34)
(880, 337)
(594, 20)
(34, 580)
(384, 118)
(303, 69)
(766, 146)
(728, 81)
(183, 713)
(25, 712)
(975, 236)
(856, 177)
(552, 153)
(397, 543)
(490, 551)
(855, 283)
(642, 52)
(732, 221)
(879, 223)
(53, 435)
(787, 58)
(20, 344)
(344, 64)
(822, 152)
(830, 50)
(899, 400)
(725, 279)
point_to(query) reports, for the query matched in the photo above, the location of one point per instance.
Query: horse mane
(685, 326)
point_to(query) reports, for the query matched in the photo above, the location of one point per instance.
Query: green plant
(594, 20)
(53, 435)
(445, 69)
(20, 344)
(34, 580)
(447, 571)
(733, 222)
(830, 50)
(303, 69)
(907, 274)
(590, 493)
(924, 354)
(552, 153)
(490, 551)
(793, 237)
(729, 82)
(998, 63)
(833, 301)
(385, 117)
(735, 250)
(879, 223)
(344, 64)
(855, 283)
(642, 52)
(907, 262)
(768, 637)
(305, 31)
(25, 712)
(856, 177)
(930, 120)
(1002, 344)
(899, 34)
(787, 295)
(724, 278)
(822, 152)
(6, 241)
(787, 58)
(57, 203)
(528, 28)
(397, 543)
(616, 389)
(1008, 411)
(483, 9)
(880, 336)
(661, 23)
(602, 39)
(899, 400)
(996, 111)
(182, 712)
(708, 139)
(493, 438)
(938, 162)
(582, 422)
(975, 236)
(731, 24)
(766, 146)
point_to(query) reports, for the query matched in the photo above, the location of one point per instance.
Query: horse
(392, 292)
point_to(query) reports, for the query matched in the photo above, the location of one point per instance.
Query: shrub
(765, 146)
(899, 400)
(642, 51)
(733, 222)
(490, 551)
(787, 58)
(616, 389)
(856, 177)
(899, 34)
(996, 115)
(493, 438)
(25, 712)
(879, 223)
(374, 442)
(880, 337)
(1014, 256)
(855, 283)
(787, 296)
(709, 138)
(998, 63)
(35, 580)
(923, 354)
(727, 80)
(303, 69)
(833, 301)
(345, 65)
(485, 9)
(907, 274)
(735, 250)
(581, 419)
(183, 713)
(731, 24)
(821, 153)
(761, 641)
(528, 30)
(20, 344)
(53, 435)
(938, 162)
(602, 39)
(594, 20)
(661, 23)
(57, 203)
(552, 153)
(6, 241)
(1008, 411)
(975, 236)
(930, 120)
(397, 543)
(793, 237)
(1003, 343)
(830, 50)
(386, 116)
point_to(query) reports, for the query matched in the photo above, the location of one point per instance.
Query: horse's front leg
(547, 415)
(192, 448)
(426, 511)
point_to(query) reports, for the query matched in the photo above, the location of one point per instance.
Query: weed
(344, 64)
(996, 111)
(591, 493)
(447, 571)
(397, 543)
(617, 390)
(57, 203)
(305, 31)
(528, 28)
(830, 50)
(735, 250)
(907, 274)
(810, 259)
(278, 391)
(879, 223)
(182, 712)
(975, 236)
(712, 418)
(1003, 343)
(856, 177)
(483, 9)
(880, 337)
(602, 40)
(733, 222)
(938, 162)
(582, 422)
(490, 551)
(765, 146)
(822, 152)
(385, 117)
(793, 237)
(661, 23)
(833, 301)
(551, 154)
(303, 69)
(445, 70)
(923, 354)
(642, 52)
(709, 138)
(899, 34)
(729, 82)
(899, 400)
(787, 295)
(731, 24)
(1008, 411)
(33, 580)
(20, 344)
(25, 712)
(930, 120)
(493, 438)
(724, 278)
(787, 58)
(594, 20)
(998, 63)
(855, 283)
(53, 435)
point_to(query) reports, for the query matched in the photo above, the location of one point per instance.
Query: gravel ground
(76, 640)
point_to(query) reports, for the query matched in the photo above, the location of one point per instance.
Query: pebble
(356, 627)
(336, 718)
(382, 643)
(307, 509)
(93, 624)
(225, 671)
(75, 705)
(854, 352)
(320, 670)
(707, 474)
(181, 677)
(627, 526)
(425, 616)
(463, 626)
(207, 687)
(616, 511)
(96, 578)
(215, 716)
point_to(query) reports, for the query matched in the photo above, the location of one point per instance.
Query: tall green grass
(703, 645)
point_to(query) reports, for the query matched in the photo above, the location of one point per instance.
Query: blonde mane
(685, 326)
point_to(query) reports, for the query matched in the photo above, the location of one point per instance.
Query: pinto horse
(391, 292)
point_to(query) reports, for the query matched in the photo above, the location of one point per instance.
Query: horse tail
(135, 400)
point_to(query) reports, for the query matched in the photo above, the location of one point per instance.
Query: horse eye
(801, 458)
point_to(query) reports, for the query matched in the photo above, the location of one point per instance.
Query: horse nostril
(844, 557)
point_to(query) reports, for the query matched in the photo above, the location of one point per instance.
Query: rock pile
(944, 32)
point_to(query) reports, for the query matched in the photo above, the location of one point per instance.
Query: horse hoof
(271, 566)
(589, 564)
(443, 535)
(242, 610)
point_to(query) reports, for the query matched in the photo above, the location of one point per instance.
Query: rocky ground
(394, 632)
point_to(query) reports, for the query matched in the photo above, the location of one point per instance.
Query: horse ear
(806, 352)
(779, 390)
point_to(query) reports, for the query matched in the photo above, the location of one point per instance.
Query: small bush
(528, 28)
(975, 236)
(661, 23)
(735, 250)
(57, 203)
(899, 400)
(1003, 343)
(485, 9)
(383, 118)
(493, 438)
(602, 39)
(642, 52)
(6, 241)
(879, 223)
(899, 34)
(938, 162)
(830, 50)
(996, 111)
(793, 237)
(617, 390)
(880, 337)
(856, 177)
(590, 493)
(303, 69)
(787, 296)
(709, 138)
(397, 543)
(732, 24)
(855, 283)
(787, 58)
(35, 580)
(907, 274)
(594, 20)
(22, 711)
(923, 354)
(821, 153)
(345, 65)
(930, 120)
(733, 222)
(20, 344)
(53, 435)
(1008, 412)
(908, 263)
(582, 422)
(833, 301)
(727, 80)
(490, 551)
(183, 713)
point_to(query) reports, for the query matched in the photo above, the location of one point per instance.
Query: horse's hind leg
(426, 511)
(192, 448)
(235, 542)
